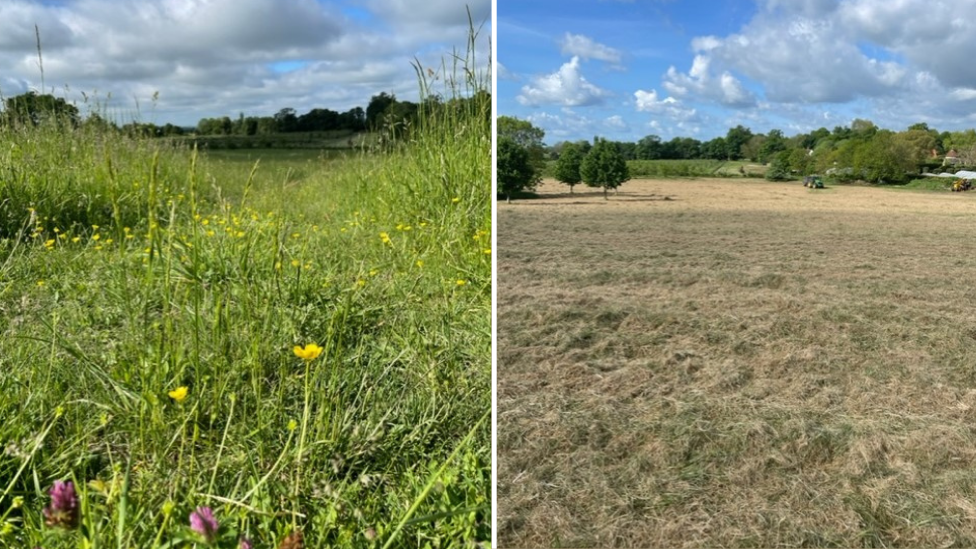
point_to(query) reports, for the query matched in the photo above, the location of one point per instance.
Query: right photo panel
(735, 274)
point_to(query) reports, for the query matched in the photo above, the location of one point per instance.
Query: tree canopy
(522, 132)
(33, 108)
(514, 169)
(604, 167)
(568, 166)
(858, 151)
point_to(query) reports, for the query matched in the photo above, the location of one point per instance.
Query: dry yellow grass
(707, 363)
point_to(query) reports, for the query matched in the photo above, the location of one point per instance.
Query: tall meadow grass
(157, 307)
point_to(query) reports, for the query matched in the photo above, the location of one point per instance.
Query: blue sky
(694, 68)
(220, 57)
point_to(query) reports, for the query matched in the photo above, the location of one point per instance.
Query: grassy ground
(930, 184)
(150, 305)
(313, 141)
(705, 363)
(684, 168)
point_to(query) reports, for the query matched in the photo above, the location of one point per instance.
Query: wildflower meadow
(251, 350)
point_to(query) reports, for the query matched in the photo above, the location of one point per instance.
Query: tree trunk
(605, 197)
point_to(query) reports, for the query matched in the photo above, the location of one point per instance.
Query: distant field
(685, 168)
(293, 140)
(703, 363)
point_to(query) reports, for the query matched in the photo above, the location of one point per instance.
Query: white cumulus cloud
(221, 57)
(700, 82)
(648, 101)
(566, 87)
(586, 48)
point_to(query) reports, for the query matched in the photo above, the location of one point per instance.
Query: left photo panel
(245, 273)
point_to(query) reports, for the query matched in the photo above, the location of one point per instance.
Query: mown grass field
(151, 305)
(719, 363)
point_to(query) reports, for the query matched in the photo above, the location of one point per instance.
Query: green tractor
(813, 182)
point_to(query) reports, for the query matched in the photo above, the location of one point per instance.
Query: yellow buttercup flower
(309, 352)
(179, 394)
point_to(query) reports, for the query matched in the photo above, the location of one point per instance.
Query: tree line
(384, 111)
(860, 151)
(520, 160)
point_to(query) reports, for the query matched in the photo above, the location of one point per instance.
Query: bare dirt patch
(736, 363)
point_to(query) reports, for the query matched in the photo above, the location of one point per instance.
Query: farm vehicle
(961, 185)
(813, 182)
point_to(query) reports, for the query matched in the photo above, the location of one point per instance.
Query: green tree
(266, 125)
(399, 116)
(918, 142)
(863, 129)
(838, 158)
(735, 139)
(100, 124)
(716, 149)
(568, 165)
(751, 148)
(604, 167)
(774, 143)
(353, 119)
(514, 169)
(883, 159)
(286, 120)
(226, 125)
(800, 161)
(649, 148)
(779, 167)
(208, 126)
(627, 149)
(251, 125)
(376, 108)
(31, 108)
(681, 148)
(524, 134)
